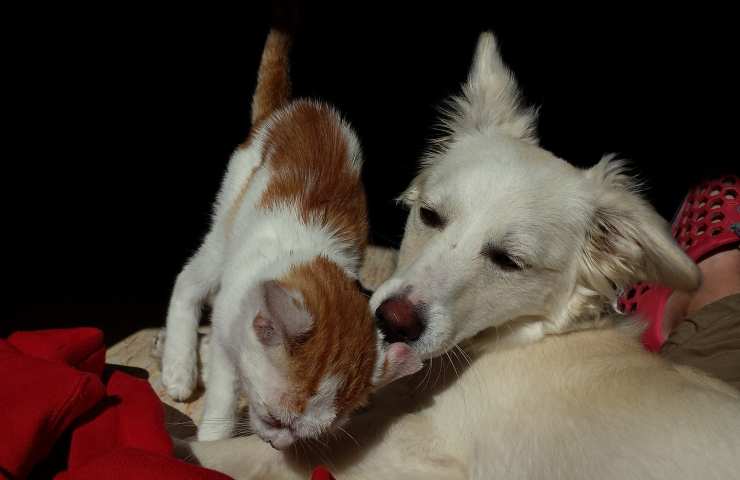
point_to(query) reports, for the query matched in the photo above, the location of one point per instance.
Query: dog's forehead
(504, 187)
(495, 170)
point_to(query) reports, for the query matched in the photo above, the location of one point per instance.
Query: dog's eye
(431, 218)
(502, 259)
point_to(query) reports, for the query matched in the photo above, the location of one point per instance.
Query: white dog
(517, 255)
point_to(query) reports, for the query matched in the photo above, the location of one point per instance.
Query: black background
(125, 117)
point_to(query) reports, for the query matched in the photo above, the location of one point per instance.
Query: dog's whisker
(464, 354)
(476, 374)
(431, 369)
(452, 364)
(420, 386)
(440, 372)
(457, 375)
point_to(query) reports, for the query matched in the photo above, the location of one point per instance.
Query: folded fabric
(39, 399)
(81, 348)
(50, 382)
(131, 416)
(132, 463)
(117, 429)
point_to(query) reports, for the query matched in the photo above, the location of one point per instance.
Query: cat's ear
(286, 315)
(399, 360)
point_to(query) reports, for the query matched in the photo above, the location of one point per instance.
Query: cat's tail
(273, 79)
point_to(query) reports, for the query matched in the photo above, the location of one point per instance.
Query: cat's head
(314, 355)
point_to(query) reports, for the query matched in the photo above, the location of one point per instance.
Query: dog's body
(517, 255)
(588, 404)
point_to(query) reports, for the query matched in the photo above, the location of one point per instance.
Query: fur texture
(520, 272)
(280, 263)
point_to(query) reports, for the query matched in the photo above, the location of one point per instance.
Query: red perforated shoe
(709, 219)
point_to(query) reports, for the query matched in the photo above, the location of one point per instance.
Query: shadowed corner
(180, 427)
(181, 449)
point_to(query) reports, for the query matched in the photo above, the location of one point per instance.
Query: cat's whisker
(310, 452)
(302, 453)
(349, 435)
(177, 424)
(324, 459)
(243, 427)
(318, 439)
(212, 421)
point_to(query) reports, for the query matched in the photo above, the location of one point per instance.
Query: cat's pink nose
(399, 320)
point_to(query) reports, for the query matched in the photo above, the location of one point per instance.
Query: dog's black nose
(399, 320)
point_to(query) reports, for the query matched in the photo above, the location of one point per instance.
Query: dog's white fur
(555, 387)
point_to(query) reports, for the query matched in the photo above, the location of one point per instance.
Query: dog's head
(502, 232)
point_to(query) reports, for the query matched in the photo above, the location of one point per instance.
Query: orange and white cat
(280, 266)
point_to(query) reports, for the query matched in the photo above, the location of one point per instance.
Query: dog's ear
(628, 240)
(490, 97)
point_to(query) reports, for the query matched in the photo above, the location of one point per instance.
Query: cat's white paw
(179, 377)
(211, 430)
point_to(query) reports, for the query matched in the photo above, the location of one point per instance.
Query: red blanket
(52, 386)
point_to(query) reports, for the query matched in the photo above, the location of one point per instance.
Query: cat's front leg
(222, 393)
(179, 360)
